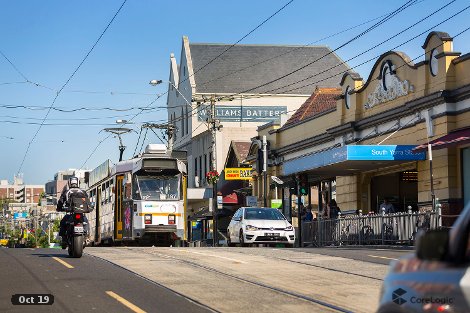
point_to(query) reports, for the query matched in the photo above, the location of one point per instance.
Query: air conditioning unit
(196, 181)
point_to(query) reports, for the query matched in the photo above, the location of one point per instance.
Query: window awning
(457, 137)
(347, 160)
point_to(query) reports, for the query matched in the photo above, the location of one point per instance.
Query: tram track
(192, 300)
(317, 266)
(256, 283)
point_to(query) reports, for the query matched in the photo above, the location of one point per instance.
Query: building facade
(244, 83)
(373, 143)
(19, 192)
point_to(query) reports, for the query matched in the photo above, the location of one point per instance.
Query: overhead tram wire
(403, 43)
(249, 33)
(66, 83)
(382, 21)
(138, 139)
(145, 137)
(132, 118)
(295, 49)
(373, 47)
(178, 119)
(238, 41)
(364, 62)
(14, 66)
(388, 16)
(340, 73)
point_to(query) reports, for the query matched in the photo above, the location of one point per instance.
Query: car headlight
(251, 227)
(289, 228)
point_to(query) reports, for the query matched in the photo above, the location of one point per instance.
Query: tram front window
(158, 187)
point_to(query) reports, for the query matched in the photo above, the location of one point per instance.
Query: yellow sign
(238, 173)
(3, 242)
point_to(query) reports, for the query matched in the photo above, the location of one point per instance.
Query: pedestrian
(387, 206)
(332, 209)
(308, 217)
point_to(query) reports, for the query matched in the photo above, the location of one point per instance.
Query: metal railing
(374, 229)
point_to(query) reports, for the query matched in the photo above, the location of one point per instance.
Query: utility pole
(214, 125)
(265, 171)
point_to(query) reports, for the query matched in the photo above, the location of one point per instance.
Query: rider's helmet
(73, 182)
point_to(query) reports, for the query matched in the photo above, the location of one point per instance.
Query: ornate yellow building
(373, 144)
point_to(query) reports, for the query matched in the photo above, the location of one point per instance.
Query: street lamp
(155, 82)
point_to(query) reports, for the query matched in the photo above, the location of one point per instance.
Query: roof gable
(243, 67)
(321, 100)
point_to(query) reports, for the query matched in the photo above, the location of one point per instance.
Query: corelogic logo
(397, 296)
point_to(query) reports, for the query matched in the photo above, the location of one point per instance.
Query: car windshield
(263, 214)
(158, 187)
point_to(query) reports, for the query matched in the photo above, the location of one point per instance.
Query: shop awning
(453, 138)
(347, 160)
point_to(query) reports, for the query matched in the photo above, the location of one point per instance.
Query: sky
(42, 43)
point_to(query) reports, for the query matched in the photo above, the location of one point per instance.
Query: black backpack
(77, 200)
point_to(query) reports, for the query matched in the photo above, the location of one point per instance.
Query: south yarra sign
(238, 173)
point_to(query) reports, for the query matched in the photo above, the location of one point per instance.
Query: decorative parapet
(395, 89)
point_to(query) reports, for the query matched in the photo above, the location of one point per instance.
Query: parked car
(434, 279)
(259, 225)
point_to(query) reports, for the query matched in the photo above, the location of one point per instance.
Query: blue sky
(46, 40)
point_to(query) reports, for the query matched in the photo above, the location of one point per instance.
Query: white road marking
(214, 256)
(381, 257)
(128, 304)
(62, 262)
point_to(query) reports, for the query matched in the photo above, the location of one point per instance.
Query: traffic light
(303, 186)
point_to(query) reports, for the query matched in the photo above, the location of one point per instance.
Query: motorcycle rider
(71, 188)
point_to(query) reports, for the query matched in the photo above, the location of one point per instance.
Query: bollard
(383, 226)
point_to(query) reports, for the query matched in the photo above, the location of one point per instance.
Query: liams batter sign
(243, 113)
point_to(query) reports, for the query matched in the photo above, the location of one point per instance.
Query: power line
(195, 110)
(14, 66)
(238, 41)
(61, 109)
(293, 50)
(375, 57)
(138, 139)
(66, 83)
(369, 49)
(388, 17)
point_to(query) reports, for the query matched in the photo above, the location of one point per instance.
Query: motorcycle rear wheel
(76, 250)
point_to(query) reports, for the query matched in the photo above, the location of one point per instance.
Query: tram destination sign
(243, 113)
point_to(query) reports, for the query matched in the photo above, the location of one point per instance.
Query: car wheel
(229, 242)
(242, 239)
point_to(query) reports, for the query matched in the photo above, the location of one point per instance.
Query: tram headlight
(171, 219)
(148, 219)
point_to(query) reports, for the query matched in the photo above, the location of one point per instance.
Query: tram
(141, 200)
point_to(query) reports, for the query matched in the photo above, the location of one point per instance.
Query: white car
(260, 225)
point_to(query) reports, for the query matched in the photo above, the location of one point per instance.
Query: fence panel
(375, 229)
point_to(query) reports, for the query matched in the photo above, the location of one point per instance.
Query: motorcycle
(75, 233)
